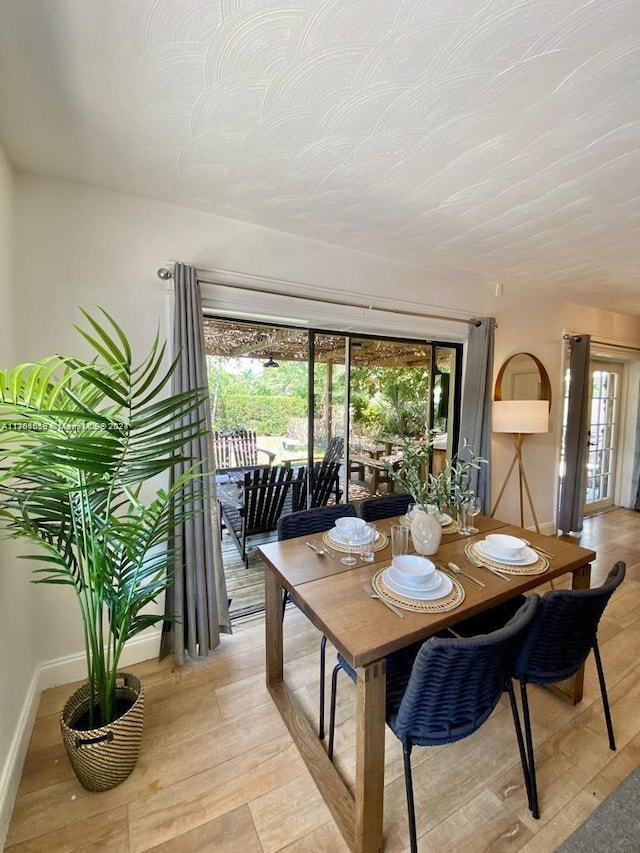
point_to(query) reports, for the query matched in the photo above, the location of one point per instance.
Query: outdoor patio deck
(245, 586)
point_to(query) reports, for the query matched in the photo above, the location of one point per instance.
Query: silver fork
(373, 594)
(321, 549)
(480, 565)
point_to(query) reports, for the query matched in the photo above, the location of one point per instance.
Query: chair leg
(323, 650)
(518, 727)
(605, 698)
(535, 811)
(332, 710)
(411, 810)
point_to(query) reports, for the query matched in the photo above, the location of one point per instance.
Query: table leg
(335, 793)
(572, 688)
(274, 645)
(369, 790)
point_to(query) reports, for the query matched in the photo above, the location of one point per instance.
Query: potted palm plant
(80, 440)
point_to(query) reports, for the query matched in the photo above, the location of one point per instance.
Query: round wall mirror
(523, 377)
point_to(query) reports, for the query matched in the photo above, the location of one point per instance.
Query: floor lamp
(520, 418)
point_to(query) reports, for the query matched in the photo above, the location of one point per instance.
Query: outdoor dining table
(331, 595)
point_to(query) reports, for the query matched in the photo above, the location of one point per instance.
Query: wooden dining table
(364, 630)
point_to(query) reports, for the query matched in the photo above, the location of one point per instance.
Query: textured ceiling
(497, 139)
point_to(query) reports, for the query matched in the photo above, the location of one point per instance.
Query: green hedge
(265, 414)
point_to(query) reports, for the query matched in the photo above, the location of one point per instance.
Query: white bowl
(508, 546)
(351, 526)
(412, 570)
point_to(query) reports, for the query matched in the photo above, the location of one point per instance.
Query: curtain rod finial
(164, 274)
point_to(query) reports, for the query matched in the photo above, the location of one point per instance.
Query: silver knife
(455, 568)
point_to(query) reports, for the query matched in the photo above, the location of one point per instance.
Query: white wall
(19, 654)
(538, 328)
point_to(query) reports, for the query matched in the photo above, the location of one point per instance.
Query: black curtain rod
(165, 274)
(596, 341)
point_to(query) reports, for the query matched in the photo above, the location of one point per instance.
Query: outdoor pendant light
(270, 362)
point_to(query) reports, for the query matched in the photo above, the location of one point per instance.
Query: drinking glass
(367, 553)
(463, 520)
(399, 540)
(349, 533)
(473, 509)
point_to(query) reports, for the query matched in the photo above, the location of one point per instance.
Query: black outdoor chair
(325, 485)
(387, 506)
(306, 523)
(561, 636)
(333, 453)
(444, 689)
(335, 449)
(264, 495)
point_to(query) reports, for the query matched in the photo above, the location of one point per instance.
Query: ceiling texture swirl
(496, 139)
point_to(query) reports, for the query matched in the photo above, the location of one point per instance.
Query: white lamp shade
(521, 416)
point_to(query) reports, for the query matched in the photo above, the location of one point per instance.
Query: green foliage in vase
(79, 441)
(451, 487)
(412, 474)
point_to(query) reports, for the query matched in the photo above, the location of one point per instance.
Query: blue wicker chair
(562, 634)
(306, 523)
(373, 509)
(444, 689)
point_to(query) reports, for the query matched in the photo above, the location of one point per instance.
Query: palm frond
(80, 439)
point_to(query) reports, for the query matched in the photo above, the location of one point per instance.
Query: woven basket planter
(103, 758)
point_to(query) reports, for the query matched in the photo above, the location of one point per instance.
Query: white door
(606, 388)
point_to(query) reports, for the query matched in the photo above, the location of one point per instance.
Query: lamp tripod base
(523, 483)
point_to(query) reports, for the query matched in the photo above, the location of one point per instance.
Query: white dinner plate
(443, 588)
(423, 587)
(336, 536)
(445, 520)
(528, 558)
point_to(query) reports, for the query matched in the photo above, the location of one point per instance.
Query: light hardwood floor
(218, 771)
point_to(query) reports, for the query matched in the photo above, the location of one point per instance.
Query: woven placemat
(382, 540)
(435, 605)
(541, 564)
(452, 527)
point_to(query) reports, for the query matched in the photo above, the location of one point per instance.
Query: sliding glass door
(302, 397)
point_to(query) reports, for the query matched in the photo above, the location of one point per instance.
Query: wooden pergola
(237, 339)
(234, 339)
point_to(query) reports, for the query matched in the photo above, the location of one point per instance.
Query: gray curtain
(636, 464)
(198, 595)
(475, 420)
(573, 486)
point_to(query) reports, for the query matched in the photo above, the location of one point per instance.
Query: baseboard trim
(12, 770)
(54, 673)
(74, 667)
